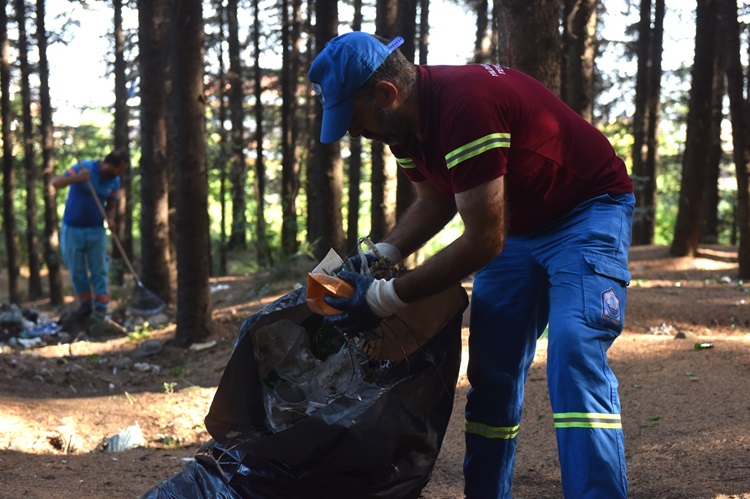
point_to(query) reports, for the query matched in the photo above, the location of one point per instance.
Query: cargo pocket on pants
(605, 282)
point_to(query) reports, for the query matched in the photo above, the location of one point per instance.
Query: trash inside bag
(303, 412)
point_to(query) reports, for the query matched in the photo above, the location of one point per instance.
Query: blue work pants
(84, 252)
(572, 276)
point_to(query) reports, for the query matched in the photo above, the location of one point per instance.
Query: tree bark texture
(263, 252)
(51, 232)
(188, 116)
(238, 168)
(529, 38)
(290, 170)
(580, 22)
(739, 107)
(9, 215)
(32, 234)
(122, 142)
(687, 226)
(156, 257)
(646, 119)
(324, 196)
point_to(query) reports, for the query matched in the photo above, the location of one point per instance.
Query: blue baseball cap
(344, 65)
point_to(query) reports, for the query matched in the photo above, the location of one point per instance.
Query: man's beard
(395, 126)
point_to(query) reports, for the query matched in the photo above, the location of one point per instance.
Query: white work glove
(382, 297)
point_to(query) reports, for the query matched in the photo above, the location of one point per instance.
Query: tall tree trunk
(9, 216)
(32, 230)
(579, 53)
(355, 164)
(221, 158)
(263, 256)
(709, 228)
(383, 179)
(687, 226)
(530, 39)
(238, 169)
(405, 192)
(740, 112)
(122, 143)
(324, 196)
(424, 30)
(191, 179)
(646, 119)
(482, 53)
(290, 171)
(51, 233)
(156, 255)
(407, 22)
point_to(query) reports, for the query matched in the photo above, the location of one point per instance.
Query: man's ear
(386, 94)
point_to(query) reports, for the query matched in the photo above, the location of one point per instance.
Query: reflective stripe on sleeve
(587, 420)
(486, 431)
(406, 163)
(477, 147)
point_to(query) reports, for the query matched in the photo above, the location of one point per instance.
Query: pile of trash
(26, 328)
(22, 328)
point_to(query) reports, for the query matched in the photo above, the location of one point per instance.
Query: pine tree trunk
(740, 112)
(687, 226)
(238, 168)
(9, 216)
(51, 232)
(29, 163)
(326, 174)
(157, 267)
(191, 179)
(122, 143)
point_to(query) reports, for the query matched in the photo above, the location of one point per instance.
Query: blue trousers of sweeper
(84, 252)
(571, 276)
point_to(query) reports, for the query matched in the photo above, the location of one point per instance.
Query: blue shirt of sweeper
(80, 207)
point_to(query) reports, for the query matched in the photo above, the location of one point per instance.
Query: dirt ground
(686, 412)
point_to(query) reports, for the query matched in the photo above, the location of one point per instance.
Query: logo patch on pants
(611, 306)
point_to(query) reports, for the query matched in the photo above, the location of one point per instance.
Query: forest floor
(686, 412)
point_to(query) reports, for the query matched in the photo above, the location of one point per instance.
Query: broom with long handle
(142, 301)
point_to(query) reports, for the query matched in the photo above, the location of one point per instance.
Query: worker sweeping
(83, 236)
(547, 208)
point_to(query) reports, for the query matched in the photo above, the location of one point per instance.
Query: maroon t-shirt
(482, 121)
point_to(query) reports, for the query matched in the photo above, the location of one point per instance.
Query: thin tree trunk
(324, 196)
(32, 231)
(9, 216)
(687, 226)
(289, 166)
(191, 179)
(407, 22)
(709, 230)
(482, 52)
(156, 243)
(122, 143)
(238, 169)
(51, 235)
(263, 256)
(646, 120)
(382, 179)
(579, 53)
(221, 159)
(355, 164)
(424, 30)
(740, 112)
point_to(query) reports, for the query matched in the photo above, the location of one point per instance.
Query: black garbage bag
(302, 412)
